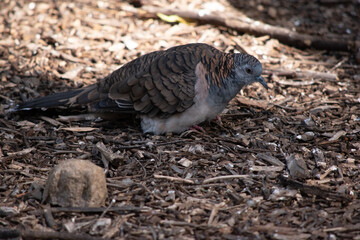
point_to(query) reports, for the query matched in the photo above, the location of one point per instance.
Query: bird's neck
(221, 79)
(220, 68)
(228, 89)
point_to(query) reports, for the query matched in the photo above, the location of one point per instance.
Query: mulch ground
(282, 164)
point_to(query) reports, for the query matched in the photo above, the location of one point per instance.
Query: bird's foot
(218, 119)
(197, 128)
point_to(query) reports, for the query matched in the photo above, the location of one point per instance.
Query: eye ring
(248, 70)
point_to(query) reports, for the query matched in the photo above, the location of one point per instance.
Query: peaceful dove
(169, 90)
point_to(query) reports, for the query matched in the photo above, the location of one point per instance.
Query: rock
(76, 183)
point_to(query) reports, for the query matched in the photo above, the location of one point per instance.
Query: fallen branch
(257, 28)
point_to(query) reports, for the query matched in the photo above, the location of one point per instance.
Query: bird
(169, 90)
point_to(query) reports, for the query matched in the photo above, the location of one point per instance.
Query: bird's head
(248, 69)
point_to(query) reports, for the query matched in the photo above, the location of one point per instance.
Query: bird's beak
(261, 80)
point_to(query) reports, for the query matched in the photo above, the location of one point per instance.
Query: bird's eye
(248, 70)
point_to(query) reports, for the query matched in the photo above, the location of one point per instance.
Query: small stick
(214, 179)
(175, 179)
(302, 74)
(30, 234)
(97, 210)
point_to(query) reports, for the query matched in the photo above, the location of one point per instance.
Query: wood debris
(282, 164)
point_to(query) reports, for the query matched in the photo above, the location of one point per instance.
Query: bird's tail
(74, 97)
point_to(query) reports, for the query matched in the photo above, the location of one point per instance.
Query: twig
(96, 222)
(236, 115)
(129, 147)
(214, 179)
(107, 155)
(121, 209)
(56, 235)
(338, 64)
(178, 223)
(257, 28)
(22, 152)
(30, 234)
(107, 209)
(270, 159)
(17, 154)
(302, 74)
(49, 218)
(5, 98)
(348, 228)
(170, 142)
(175, 179)
(214, 212)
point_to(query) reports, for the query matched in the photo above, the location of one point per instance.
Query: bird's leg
(218, 119)
(197, 128)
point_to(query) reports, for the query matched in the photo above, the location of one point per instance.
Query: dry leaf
(172, 18)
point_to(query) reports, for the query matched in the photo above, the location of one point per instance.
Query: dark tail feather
(54, 100)
(79, 96)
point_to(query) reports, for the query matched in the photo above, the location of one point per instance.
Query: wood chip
(270, 159)
(266, 168)
(337, 135)
(79, 129)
